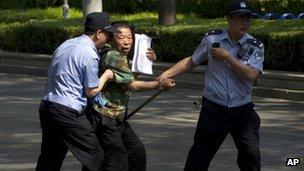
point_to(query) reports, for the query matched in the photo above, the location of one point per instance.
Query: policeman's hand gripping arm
(167, 84)
(108, 75)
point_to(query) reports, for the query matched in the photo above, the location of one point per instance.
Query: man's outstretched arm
(182, 66)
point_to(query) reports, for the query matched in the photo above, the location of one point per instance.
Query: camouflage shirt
(116, 92)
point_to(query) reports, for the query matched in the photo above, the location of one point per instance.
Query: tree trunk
(89, 6)
(166, 12)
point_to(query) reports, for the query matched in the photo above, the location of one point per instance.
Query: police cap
(99, 21)
(240, 8)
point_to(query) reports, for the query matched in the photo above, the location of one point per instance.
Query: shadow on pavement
(166, 126)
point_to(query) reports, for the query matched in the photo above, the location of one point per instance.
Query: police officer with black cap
(235, 61)
(72, 77)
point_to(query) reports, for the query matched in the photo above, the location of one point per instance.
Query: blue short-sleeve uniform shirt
(74, 68)
(223, 85)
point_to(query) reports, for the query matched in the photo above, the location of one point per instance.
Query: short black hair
(122, 24)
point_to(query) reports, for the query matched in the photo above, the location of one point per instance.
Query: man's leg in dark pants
(110, 136)
(245, 134)
(53, 149)
(68, 126)
(212, 129)
(135, 149)
(83, 143)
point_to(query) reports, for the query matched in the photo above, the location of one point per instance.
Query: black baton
(143, 104)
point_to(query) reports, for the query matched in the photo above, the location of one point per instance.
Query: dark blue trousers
(66, 129)
(124, 151)
(215, 122)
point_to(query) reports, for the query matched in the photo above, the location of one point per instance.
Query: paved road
(165, 125)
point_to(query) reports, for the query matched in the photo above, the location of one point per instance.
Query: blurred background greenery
(37, 26)
(202, 8)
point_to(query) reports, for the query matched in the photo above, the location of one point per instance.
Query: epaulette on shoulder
(255, 42)
(213, 32)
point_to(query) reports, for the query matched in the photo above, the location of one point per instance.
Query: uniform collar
(89, 41)
(225, 36)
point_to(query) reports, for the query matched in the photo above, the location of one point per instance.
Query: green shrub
(32, 38)
(11, 16)
(285, 51)
(213, 8)
(26, 4)
(283, 39)
(278, 6)
(178, 41)
(203, 8)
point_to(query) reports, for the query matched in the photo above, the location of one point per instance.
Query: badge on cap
(243, 5)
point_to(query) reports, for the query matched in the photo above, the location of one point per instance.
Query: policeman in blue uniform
(235, 61)
(72, 77)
